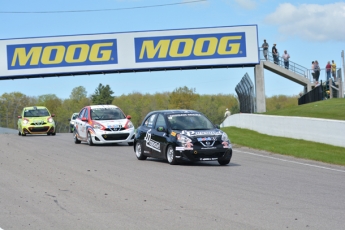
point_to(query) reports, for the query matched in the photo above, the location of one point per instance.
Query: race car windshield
(107, 114)
(191, 121)
(36, 113)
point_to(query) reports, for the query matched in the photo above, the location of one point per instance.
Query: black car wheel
(89, 139)
(223, 161)
(139, 152)
(76, 140)
(19, 133)
(171, 156)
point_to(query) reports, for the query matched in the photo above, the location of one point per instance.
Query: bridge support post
(260, 88)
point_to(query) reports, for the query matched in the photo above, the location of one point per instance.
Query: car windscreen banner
(129, 51)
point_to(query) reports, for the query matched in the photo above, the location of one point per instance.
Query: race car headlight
(225, 137)
(50, 120)
(129, 125)
(72, 122)
(98, 126)
(183, 139)
(25, 121)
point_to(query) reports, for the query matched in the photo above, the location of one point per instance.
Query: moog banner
(130, 51)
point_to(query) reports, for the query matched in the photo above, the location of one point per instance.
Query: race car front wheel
(89, 139)
(139, 152)
(76, 140)
(171, 156)
(223, 161)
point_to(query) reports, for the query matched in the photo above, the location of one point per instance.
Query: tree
(183, 98)
(102, 95)
(78, 93)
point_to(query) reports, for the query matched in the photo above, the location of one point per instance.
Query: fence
(316, 94)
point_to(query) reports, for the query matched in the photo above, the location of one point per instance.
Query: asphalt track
(48, 182)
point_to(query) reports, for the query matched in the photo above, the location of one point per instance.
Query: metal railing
(300, 70)
(294, 67)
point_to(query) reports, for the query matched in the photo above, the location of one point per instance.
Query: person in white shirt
(227, 113)
(286, 57)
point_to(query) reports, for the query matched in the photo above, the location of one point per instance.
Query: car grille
(39, 129)
(38, 123)
(107, 129)
(115, 137)
(197, 143)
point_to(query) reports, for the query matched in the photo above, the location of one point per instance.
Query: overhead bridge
(288, 74)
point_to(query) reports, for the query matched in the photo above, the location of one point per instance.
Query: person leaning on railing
(317, 71)
(334, 68)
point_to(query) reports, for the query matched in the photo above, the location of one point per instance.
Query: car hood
(112, 123)
(36, 118)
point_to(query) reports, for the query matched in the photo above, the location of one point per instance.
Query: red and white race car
(103, 124)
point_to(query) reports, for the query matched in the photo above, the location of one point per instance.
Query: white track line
(295, 162)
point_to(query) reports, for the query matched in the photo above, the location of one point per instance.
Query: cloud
(310, 21)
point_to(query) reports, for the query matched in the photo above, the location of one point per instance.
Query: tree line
(135, 104)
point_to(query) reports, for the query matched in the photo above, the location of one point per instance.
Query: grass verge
(287, 146)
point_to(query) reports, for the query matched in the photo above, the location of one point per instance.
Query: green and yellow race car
(36, 120)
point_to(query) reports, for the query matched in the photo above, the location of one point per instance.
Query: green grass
(327, 109)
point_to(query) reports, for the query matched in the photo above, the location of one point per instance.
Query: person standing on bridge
(286, 57)
(317, 71)
(328, 70)
(265, 49)
(275, 54)
(313, 71)
(334, 68)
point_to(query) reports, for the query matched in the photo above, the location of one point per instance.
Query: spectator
(313, 71)
(317, 71)
(286, 57)
(275, 54)
(227, 113)
(334, 68)
(328, 70)
(265, 49)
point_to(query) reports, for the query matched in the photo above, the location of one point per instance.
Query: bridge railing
(294, 67)
(300, 70)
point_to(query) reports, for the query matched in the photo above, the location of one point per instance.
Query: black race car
(177, 135)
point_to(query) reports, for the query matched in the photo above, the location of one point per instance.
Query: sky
(308, 31)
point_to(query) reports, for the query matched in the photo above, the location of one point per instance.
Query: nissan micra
(177, 135)
(103, 124)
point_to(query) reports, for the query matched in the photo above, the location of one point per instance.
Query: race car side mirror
(129, 117)
(161, 129)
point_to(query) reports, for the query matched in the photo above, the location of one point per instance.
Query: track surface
(48, 182)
